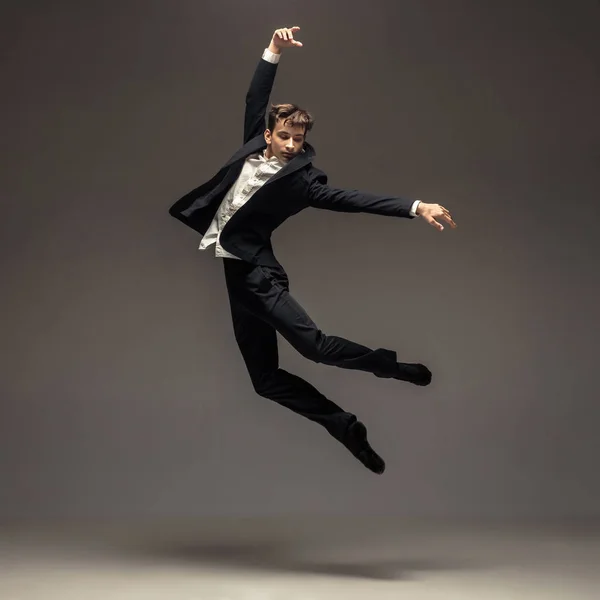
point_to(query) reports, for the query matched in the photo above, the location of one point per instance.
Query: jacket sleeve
(320, 195)
(257, 99)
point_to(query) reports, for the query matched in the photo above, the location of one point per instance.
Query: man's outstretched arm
(257, 98)
(323, 196)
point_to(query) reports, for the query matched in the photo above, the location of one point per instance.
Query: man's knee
(312, 347)
(265, 383)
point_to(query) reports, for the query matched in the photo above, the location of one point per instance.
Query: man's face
(285, 141)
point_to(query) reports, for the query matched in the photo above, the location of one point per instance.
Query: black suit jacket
(295, 187)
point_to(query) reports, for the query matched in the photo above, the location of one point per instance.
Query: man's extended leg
(265, 293)
(257, 341)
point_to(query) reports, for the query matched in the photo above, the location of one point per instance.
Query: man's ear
(268, 136)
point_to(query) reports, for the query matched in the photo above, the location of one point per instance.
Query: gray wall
(123, 393)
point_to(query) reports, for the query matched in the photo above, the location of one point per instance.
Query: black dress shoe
(356, 442)
(414, 373)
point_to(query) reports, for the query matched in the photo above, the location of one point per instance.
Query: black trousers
(262, 305)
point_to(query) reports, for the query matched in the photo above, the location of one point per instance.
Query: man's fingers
(431, 212)
(445, 214)
(286, 34)
(449, 219)
(435, 224)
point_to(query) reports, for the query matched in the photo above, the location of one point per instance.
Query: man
(270, 178)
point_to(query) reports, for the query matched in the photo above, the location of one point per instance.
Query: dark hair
(291, 114)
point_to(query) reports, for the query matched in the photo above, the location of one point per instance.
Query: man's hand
(284, 38)
(431, 212)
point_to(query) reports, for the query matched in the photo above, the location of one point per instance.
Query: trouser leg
(257, 341)
(265, 293)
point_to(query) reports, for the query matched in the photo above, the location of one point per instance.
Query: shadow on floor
(284, 558)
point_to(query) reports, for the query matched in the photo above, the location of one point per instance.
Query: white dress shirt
(257, 170)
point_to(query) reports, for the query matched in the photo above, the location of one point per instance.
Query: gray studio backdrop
(123, 393)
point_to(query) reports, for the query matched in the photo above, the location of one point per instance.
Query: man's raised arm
(261, 85)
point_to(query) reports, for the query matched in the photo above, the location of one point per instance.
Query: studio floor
(312, 559)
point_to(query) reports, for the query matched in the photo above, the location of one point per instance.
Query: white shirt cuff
(271, 56)
(413, 208)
